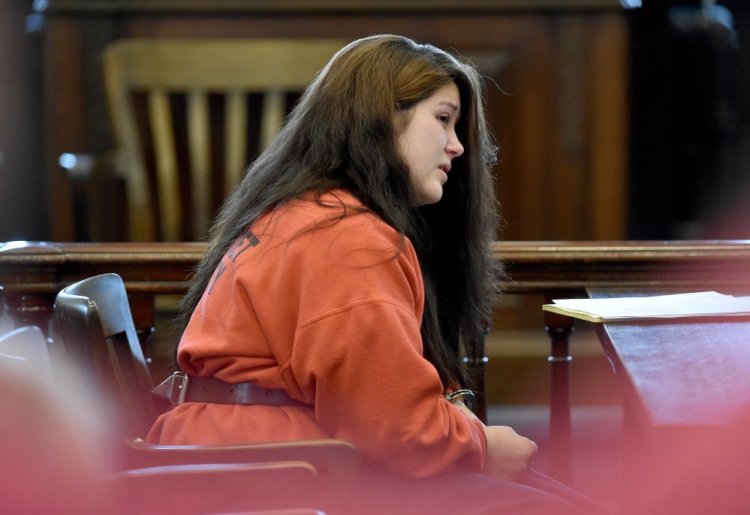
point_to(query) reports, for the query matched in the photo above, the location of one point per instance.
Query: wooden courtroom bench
(33, 272)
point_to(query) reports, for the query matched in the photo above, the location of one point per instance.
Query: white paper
(660, 306)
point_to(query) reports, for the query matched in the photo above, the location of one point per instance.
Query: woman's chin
(431, 196)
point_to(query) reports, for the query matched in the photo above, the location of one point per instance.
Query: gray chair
(98, 333)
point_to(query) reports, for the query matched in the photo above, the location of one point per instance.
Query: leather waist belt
(180, 387)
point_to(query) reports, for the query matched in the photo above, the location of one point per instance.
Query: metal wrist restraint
(464, 395)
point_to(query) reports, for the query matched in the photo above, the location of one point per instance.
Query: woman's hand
(508, 453)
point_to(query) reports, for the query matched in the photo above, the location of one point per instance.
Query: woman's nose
(454, 146)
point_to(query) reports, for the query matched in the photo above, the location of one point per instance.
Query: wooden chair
(189, 114)
(95, 323)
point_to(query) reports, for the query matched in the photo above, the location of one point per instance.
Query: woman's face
(429, 143)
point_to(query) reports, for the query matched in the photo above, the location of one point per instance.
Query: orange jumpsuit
(325, 302)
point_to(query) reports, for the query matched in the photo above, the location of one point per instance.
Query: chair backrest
(97, 329)
(5, 322)
(189, 114)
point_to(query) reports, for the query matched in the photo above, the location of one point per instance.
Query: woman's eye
(444, 118)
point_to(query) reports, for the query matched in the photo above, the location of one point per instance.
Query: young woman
(347, 274)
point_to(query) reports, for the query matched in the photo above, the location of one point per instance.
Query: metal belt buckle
(182, 386)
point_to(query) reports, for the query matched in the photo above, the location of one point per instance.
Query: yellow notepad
(698, 304)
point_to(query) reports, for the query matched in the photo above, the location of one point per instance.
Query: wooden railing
(31, 274)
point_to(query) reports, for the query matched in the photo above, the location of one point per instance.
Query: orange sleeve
(374, 389)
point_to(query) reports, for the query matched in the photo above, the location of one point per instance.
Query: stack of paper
(699, 304)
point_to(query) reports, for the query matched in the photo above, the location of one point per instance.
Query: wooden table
(685, 382)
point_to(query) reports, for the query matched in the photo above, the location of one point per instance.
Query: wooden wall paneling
(65, 117)
(501, 93)
(608, 127)
(566, 185)
(535, 101)
(519, 118)
(76, 120)
(559, 116)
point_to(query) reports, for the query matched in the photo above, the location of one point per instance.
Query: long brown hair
(342, 134)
